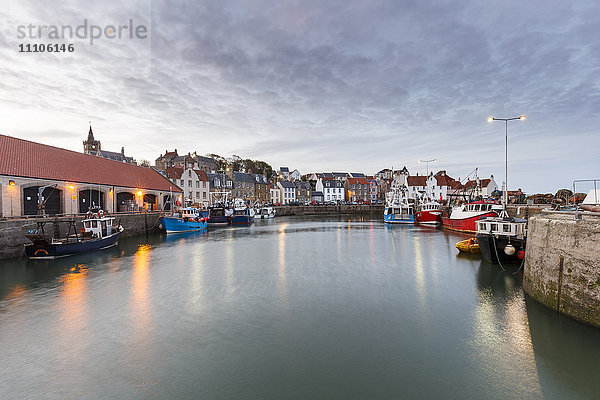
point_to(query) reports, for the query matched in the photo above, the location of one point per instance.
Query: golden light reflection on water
(73, 297)
(71, 330)
(15, 293)
(140, 302)
(282, 270)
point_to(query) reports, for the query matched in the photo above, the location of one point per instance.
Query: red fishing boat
(464, 217)
(430, 213)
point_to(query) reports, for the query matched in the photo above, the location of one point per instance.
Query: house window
(197, 184)
(204, 184)
(204, 195)
(190, 183)
(181, 182)
(197, 195)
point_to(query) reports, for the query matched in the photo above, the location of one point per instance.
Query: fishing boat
(265, 213)
(219, 212)
(219, 215)
(242, 214)
(468, 246)
(99, 232)
(430, 213)
(502, 239)
(188, 219)
(398, 210)
(463, 218)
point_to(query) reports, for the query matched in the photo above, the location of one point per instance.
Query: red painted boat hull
(466, 225)
(429, 217)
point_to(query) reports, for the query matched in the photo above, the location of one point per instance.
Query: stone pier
(562, 263)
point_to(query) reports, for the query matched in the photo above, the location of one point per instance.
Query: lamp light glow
(11, 183)
(139, 193)
(523, 117)
(71, 187)
(490, 119)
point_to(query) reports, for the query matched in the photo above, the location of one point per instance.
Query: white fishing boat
(265, 213)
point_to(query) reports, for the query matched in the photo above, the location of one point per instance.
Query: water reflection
(281, 272)
(140, 302)
(336, 306)
(566, 352)
(500, 318)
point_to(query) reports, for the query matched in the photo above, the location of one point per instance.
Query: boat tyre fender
(100, 213)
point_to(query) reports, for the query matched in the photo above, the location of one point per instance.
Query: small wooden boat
(468, 246)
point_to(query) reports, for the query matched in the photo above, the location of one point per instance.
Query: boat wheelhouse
(502, 239)
(265, 213)
(463, 218)
(430, 213)
(398, 208)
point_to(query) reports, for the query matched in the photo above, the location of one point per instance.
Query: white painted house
(295, 175)
(332, 189)
(193, 182)
(288, 191)
(275, 194)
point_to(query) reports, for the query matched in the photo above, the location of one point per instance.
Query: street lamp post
(505, 191)
(427, 163)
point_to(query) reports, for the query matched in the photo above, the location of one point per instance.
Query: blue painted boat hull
(393, 219)
(220, 220)
(176, 225)
(241, 220)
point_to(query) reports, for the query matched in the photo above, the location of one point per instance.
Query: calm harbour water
(291, 308)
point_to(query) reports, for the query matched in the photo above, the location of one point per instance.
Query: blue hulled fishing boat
(188, 219)
(242, 213)
(398, 210)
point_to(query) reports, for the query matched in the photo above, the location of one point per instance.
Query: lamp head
(522, 117)
(490, 119)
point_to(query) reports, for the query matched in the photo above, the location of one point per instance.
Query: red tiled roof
(174, 172)
(444, 180)
(360, 181)
(419, 180)
(201, 175)
(27, 159)
(484, 183)
(454, 184)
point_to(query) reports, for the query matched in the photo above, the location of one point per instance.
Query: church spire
(90, 134)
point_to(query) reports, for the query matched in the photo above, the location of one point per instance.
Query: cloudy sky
(319, 85)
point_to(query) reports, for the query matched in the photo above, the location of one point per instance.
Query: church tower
(91, 146)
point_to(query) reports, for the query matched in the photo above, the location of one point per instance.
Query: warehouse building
(39, 179)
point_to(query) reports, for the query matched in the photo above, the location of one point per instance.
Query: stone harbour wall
(330, 209)
(562, 263)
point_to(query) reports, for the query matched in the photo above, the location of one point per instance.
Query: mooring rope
(496, 250)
